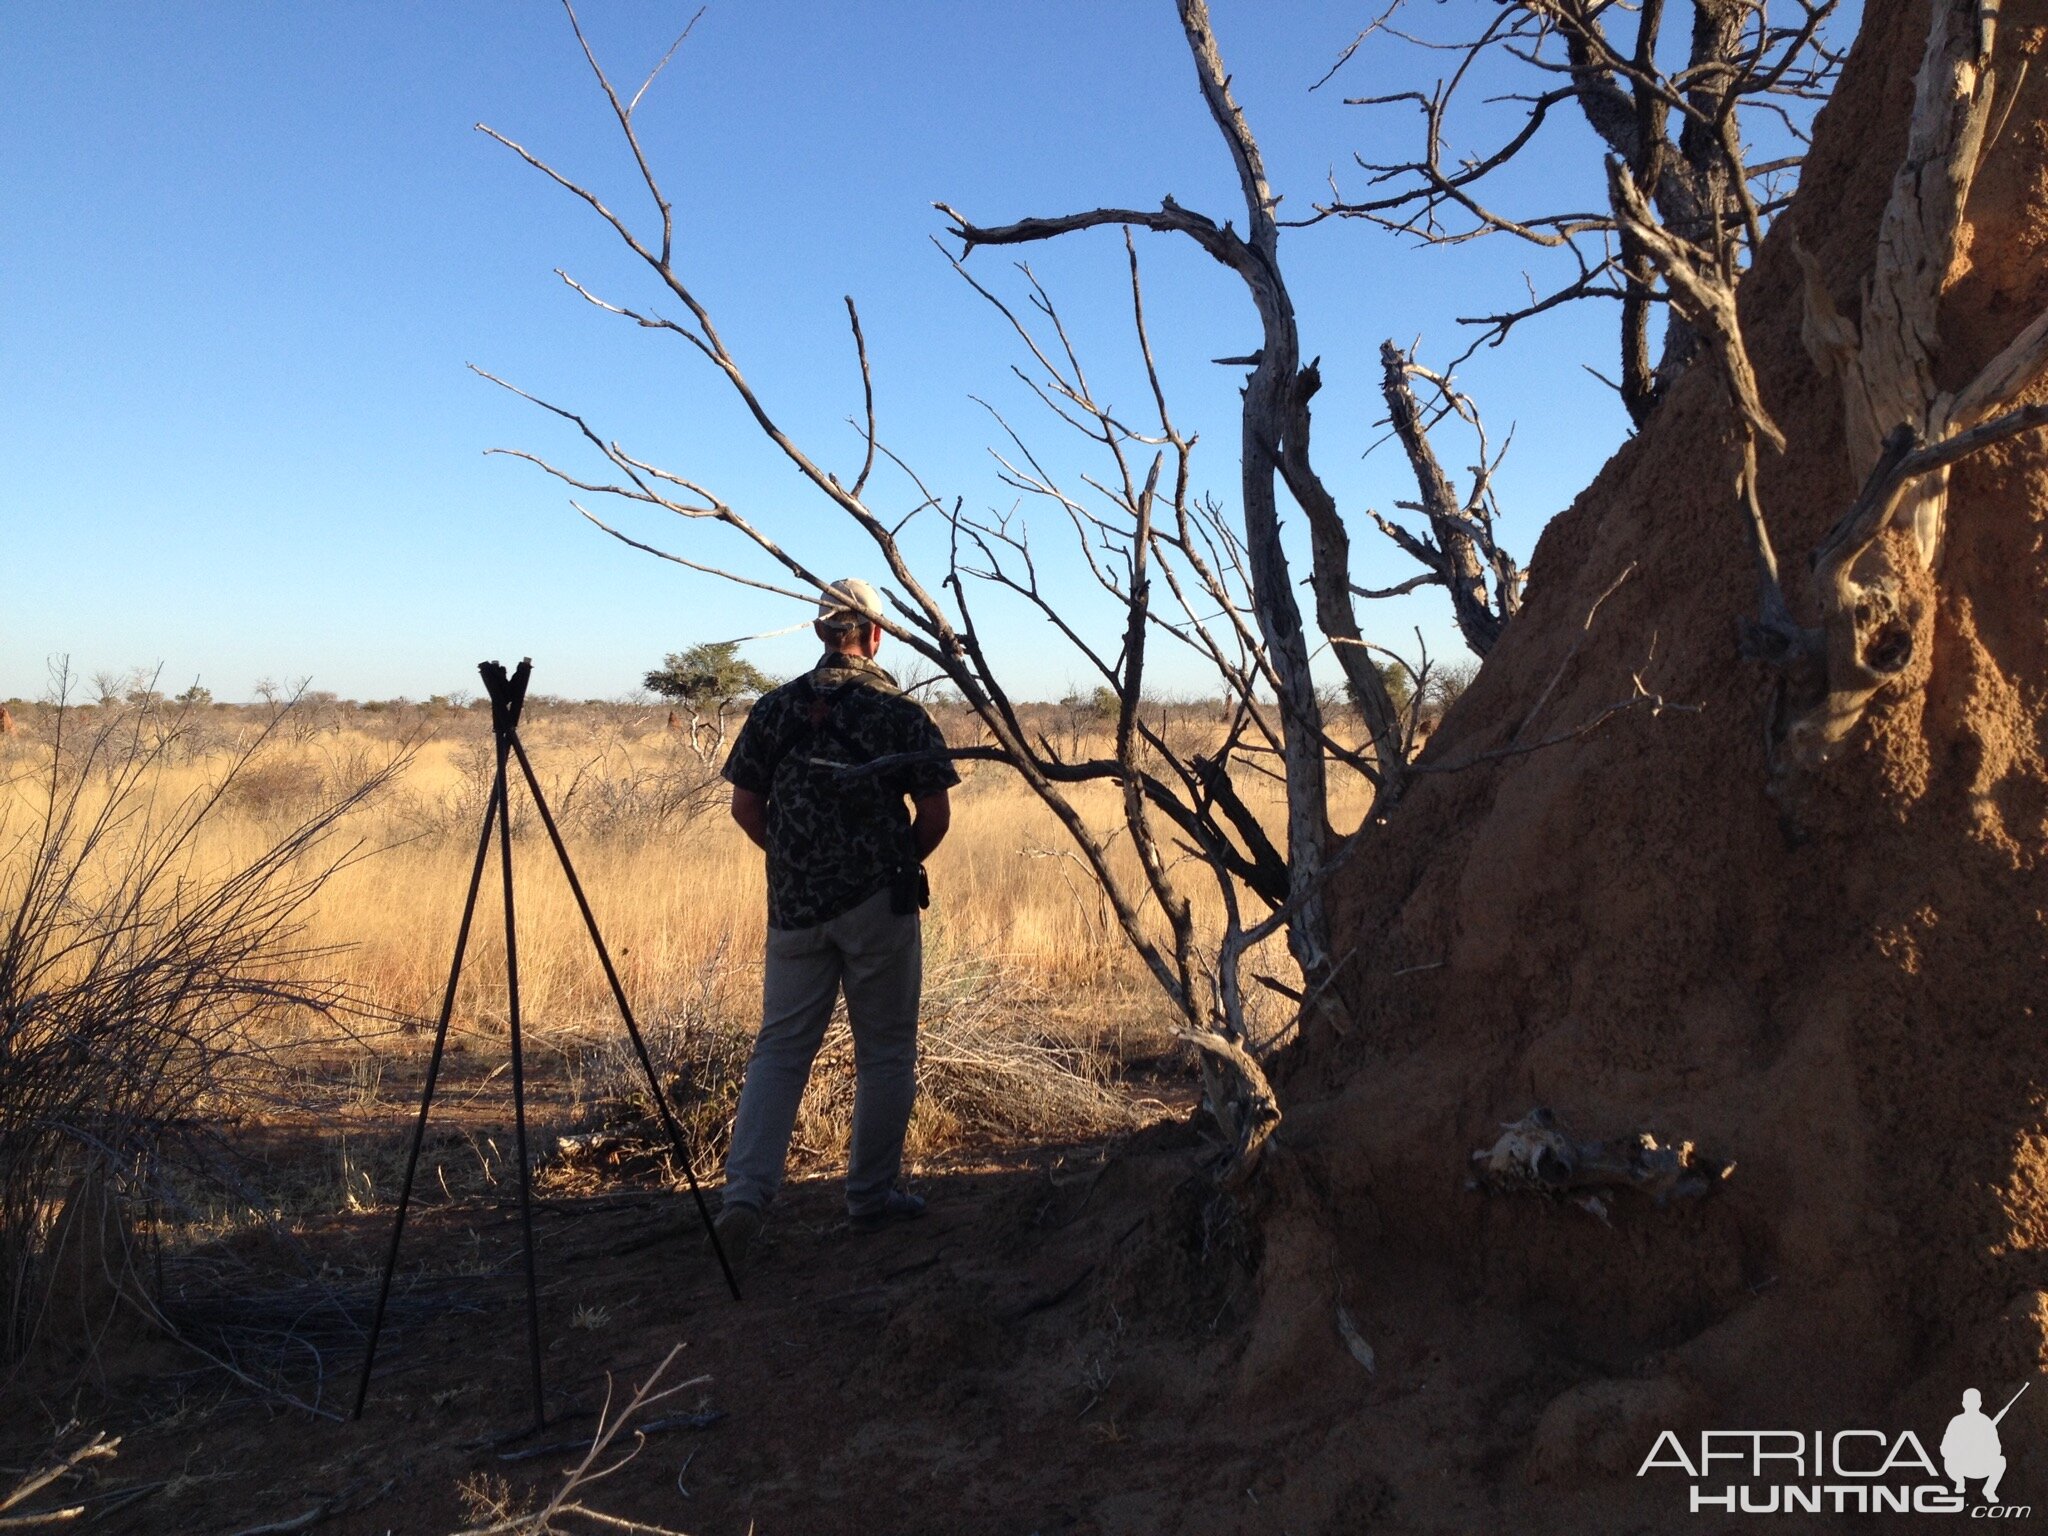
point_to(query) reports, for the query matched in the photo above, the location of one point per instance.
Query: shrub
(133, 978)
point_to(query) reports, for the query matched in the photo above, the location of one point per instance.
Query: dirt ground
(1063, 1344)
(1043, 1352)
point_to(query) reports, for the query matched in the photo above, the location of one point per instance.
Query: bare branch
(1401, 589)
(867, 390)
(681, 38)
(1676, 131)
(1483, 581)
(1706, 297)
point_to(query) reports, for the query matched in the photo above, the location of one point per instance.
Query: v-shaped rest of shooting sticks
(508, 699)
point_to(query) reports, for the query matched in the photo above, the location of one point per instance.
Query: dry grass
(144, 980)
(1034, 1005)
(682, 905)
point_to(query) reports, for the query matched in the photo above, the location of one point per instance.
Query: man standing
(845, 884)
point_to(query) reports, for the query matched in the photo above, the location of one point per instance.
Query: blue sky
(246, 252)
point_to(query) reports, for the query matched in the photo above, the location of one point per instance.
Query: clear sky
(246, 251)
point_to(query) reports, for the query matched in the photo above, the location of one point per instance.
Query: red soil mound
(1626, 928)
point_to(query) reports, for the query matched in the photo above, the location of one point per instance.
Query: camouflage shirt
(833, 842)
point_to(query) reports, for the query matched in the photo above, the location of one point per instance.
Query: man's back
(834, 839)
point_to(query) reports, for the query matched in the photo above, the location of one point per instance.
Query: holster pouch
(910, 891)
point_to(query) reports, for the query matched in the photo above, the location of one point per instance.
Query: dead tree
(1677, 133)
(1178, 568)
(1902, 431)
(1459, 551)
(1233, 590)
(1274, 439)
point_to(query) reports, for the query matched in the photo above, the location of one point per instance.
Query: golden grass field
(1035, 1006)
(683, 904)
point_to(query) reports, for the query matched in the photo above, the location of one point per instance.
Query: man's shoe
(736, 1227)
(897, 1205)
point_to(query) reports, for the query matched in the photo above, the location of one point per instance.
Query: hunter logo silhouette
(1970, 1447)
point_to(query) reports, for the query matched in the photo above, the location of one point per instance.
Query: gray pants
(878, 957)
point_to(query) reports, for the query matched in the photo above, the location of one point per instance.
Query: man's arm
(933, 817)
(750, 810)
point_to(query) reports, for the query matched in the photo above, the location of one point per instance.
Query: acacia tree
(708, 679)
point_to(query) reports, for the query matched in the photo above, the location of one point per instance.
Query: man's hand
(933, 817)
(751, 812)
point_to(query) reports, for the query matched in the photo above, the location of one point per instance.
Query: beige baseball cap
(847, 602)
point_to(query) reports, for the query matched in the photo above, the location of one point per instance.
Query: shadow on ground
(1044, 1351)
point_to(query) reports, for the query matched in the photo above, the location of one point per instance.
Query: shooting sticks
(508, 698)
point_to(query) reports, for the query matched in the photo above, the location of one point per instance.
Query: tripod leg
(611, 974)
(419, 1130)
(519, 1085)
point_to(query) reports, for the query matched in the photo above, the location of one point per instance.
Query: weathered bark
(1483, 580)
(1885, 365)
(1275, 433)
(1241, 1099)
(1901, 430)
(1703, 293)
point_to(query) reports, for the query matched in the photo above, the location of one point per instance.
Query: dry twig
(566, 1503)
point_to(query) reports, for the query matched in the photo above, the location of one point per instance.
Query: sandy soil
(1044, 1351)
(1063, 1344)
